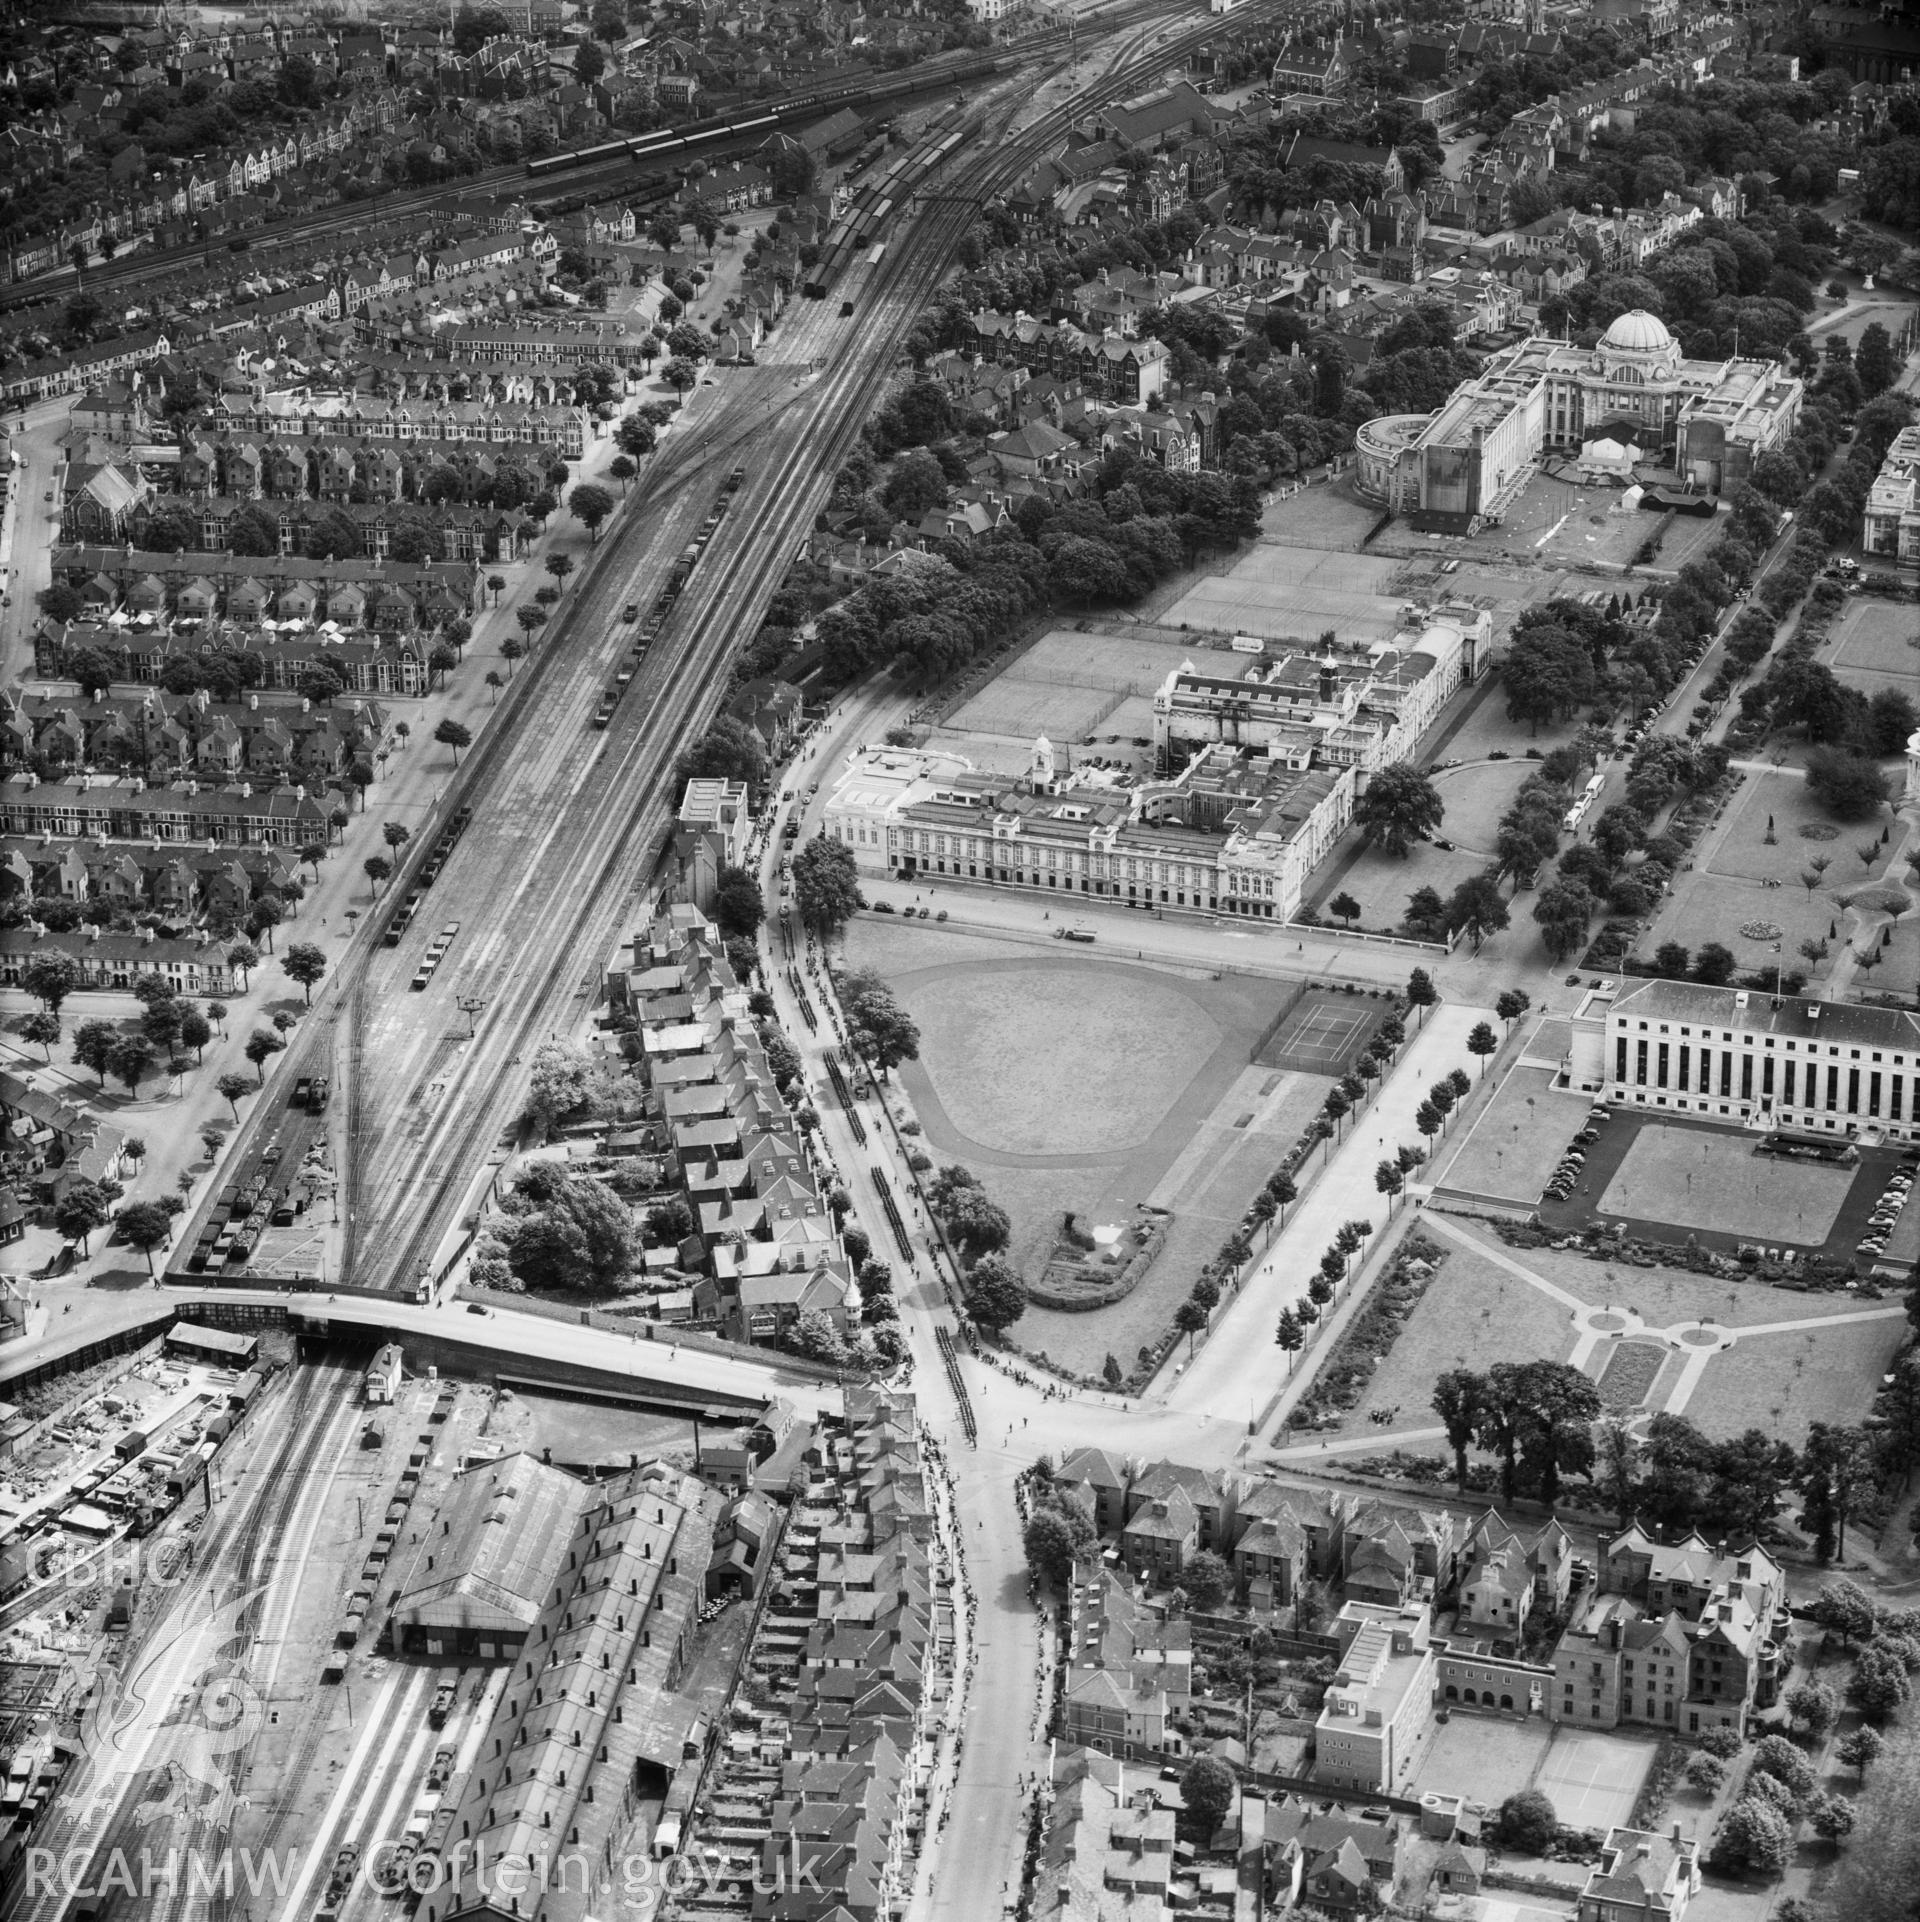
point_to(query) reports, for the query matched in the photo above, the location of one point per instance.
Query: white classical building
(1231, 833)
(1749, 1058)
(1265, 755)
(1709, 420)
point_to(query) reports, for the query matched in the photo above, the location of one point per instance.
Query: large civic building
(1825, 1067)
(1264, 755)
(1708, 420)
(1890, 522)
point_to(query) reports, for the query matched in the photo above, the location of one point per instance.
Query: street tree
(826, 886)
(1482, 1041)
(195, 1032)
(231, 1087)
(93, 1045)
(879, 1028)
(1050, 1546)
(82, 1209)
(41, 1029)
(590, 505)
(451, 734)
(377, 869)
(738, 905)
(1421, 995)
(1563, 913)
(1478, 905)
(994, 1296)
(1290, 1336)
(132, 1058)
(50, 978)
(305, 964)
(243, 957)
(1512, 1004)
(262, 1045)
(1284, 1192)
(146, 1225)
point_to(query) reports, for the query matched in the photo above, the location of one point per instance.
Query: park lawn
(1666, 1297)
(1701, 1179)
(1514, 1144)
(1046, 1056)
(1381, 884)
(1781, 1383)
(1475, 797)
(1472, 1315)
(1741, 850)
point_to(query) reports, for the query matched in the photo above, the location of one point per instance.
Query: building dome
(1638, 332)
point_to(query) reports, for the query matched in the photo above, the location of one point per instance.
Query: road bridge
(685, 1377)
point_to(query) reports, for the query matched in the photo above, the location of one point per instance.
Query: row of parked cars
(1886, 1211)
(1560, 1186)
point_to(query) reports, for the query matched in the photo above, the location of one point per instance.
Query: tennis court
(1592, 1779)
(1320, 1034)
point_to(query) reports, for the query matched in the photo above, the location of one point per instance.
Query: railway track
(233, 1553)
(556, 855)
(622, 173)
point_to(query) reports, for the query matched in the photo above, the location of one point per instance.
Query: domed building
(1706, 420)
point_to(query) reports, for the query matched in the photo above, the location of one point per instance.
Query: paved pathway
(1698, 1341)
(1225, 1376)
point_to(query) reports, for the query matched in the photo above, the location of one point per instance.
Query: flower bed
(1370, 1336)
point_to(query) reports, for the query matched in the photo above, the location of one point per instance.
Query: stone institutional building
(1228, 835)
(1266, 755)
(1709, 420)
(1890, 521)
(1816, 1066)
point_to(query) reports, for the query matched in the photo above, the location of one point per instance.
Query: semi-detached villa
(1265, 756)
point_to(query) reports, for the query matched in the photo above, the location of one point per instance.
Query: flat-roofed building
(1824, 1067)
(1378, 1711)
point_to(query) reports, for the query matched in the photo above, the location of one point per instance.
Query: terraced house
(852, 1662)
(388, 595)
(278, 737)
